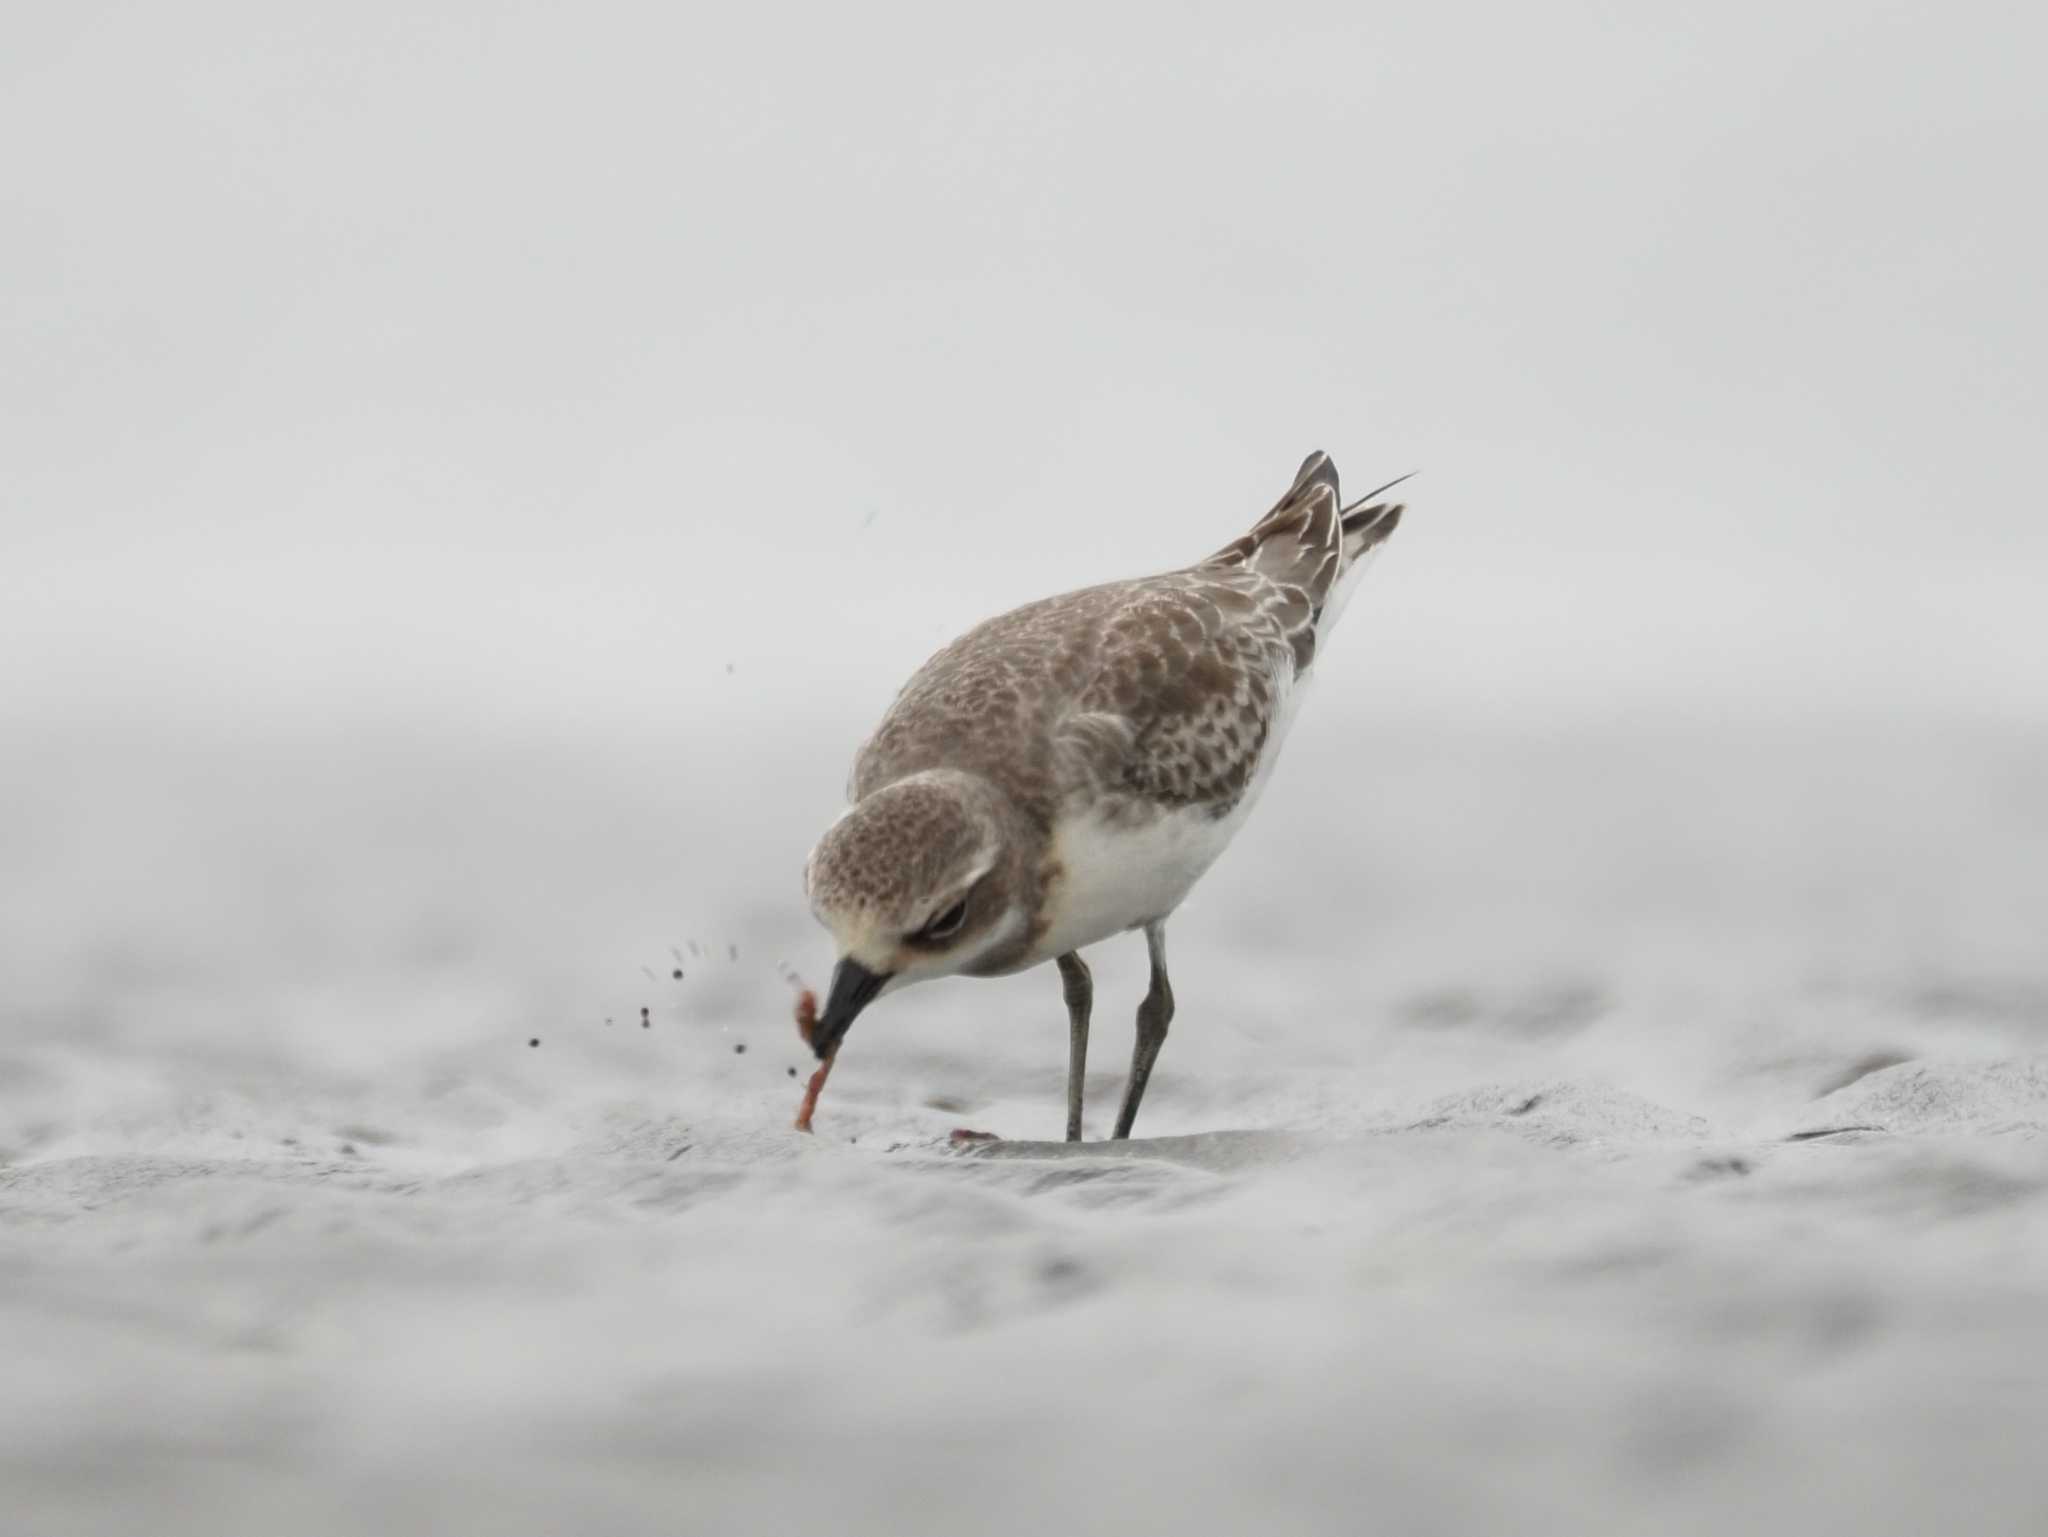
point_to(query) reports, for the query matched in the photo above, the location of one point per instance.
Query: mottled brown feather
(1143, 697)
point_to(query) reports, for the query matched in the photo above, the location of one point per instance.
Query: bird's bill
(853, 988)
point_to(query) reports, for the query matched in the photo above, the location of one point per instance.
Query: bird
(1066, 772)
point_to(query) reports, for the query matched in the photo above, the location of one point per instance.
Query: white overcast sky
(532, 357)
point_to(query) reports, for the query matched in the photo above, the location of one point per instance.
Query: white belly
(1118, 877)
(1115, 878)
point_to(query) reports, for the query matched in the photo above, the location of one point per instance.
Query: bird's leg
(1078, 987)
(1154, 1015)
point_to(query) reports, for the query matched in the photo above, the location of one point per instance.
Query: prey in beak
(853, 988)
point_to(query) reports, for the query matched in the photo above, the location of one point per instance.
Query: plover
(1068, 770)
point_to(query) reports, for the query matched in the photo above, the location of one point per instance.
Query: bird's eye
(945, 925)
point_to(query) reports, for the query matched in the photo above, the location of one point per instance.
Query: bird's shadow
(1218, 1152)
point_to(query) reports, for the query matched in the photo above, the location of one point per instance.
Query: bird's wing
(1189, 670)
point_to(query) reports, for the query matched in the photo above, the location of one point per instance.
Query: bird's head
(912, 882)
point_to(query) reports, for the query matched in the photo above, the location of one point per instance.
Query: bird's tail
(1310, 540)
(1366, 523)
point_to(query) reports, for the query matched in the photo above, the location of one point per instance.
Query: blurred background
(522, 447)
(471, 474)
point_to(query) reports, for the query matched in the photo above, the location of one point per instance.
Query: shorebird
(1067, 771)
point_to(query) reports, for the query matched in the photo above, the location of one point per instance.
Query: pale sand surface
(1604, 1135)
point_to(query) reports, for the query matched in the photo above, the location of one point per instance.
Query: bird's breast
(1117, 863)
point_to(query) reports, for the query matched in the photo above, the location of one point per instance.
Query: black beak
(853, 989)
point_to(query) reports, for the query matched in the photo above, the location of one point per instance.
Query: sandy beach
(471, 476)
(1686, 1184)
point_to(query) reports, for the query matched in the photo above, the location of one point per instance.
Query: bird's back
(987, 703)
(1145, 696)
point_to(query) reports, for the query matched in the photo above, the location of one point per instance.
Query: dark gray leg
(1154, 1015)
(1079, 989)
